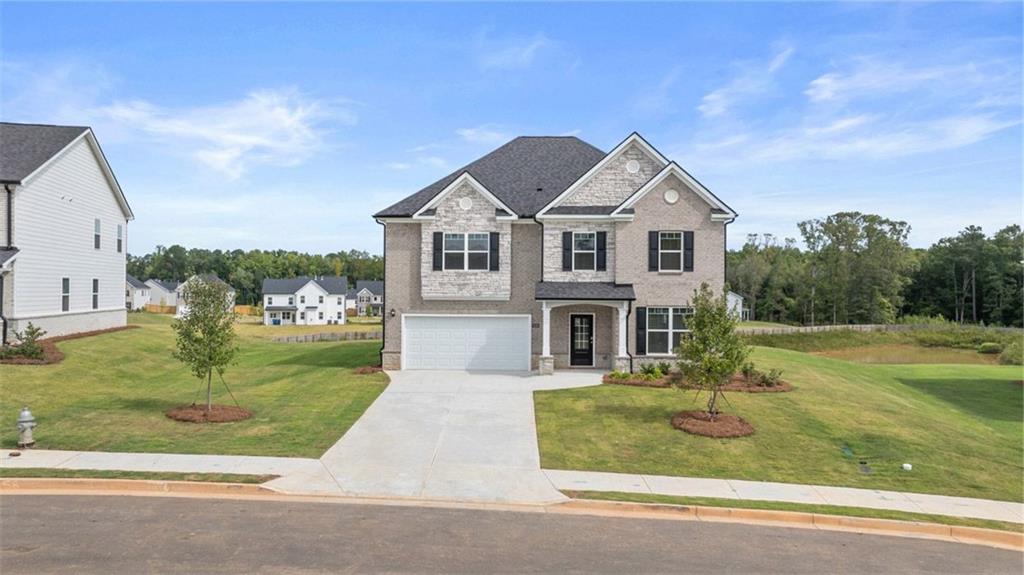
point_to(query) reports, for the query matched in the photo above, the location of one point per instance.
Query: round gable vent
(632, 166)
(671, 196)
(465, 203)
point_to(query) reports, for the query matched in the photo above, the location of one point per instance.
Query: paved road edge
(160, 488)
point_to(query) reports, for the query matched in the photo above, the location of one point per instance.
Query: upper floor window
(120, 238)
(670, 251)
(65, 294)
(467, 251)
(302, 299)
(341, 301)
(665, 328)
(584, 251)
(291, 300)
(270, 300)
(96, 234)
(321, 300)
(95, 293)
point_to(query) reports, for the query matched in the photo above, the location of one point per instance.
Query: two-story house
(319, 300)
(136, 293)
(182, 301)
(547, 254)
(63, 232)
(369, 297)
(163, 292)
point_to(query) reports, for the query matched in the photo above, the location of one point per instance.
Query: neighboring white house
(136, 293)
(63, 232)
(318, 300)
(211, 278)
(734, 302)
(369, 297)
(163, 292)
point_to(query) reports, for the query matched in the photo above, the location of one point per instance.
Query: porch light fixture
(391, 313)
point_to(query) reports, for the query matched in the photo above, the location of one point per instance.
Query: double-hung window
(321, 300)
(302, 299)
(670, 251)
(467, 251)
(291, 300)
(341, 301)
(270, 300)
(120, 238)
(96, 234)
(65, 294)
(584, 251)
(666, 327)
(95, 293)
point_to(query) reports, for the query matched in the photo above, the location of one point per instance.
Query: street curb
(796, 519)
(621, 509)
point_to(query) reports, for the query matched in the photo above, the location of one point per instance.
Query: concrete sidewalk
(787, 492)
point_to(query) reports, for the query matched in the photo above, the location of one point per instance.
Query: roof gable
(673, 169)
(333, 285)
(376, 287)
(631, 140)
(464, 178)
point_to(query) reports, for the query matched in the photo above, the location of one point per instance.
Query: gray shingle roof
(333, 285)
(7, 254)
(525, 174)
(135, 282)
(167, 285)
(376, 287)
(584, 290)
(25, 147)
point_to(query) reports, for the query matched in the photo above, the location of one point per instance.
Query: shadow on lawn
(343, 355)
(998, 399)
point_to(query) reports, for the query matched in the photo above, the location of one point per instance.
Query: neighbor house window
(670, 251)
(65, 294)
(302, 315)
(341, 301)
(320, 315)
(120, 237)
(584, 250)
(286, 315)
(270, 300)
(95, 293)
(291, 300)
(96, 234)
(665, 328)
(302, 299)
(321, 300)
(467, 251)
(339, 315)
(273, 315)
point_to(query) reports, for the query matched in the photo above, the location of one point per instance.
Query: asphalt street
(109, 534)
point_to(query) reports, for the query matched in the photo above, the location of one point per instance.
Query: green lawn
(254, 327)
(757, 324)
(959, 425)
(798, 507)
(13, 472)
(111, 391)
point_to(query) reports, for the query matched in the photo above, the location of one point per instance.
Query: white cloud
(267, 127)
(399, 166)
(483, 134)
(658, 100)
(752, 79)
(510, 54)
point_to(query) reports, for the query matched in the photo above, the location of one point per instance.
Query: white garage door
(472, 342)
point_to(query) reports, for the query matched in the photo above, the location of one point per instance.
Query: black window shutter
(641, 330)
(494, 251)
(652, 251)
(687, 251)
(438, 251)
(566, 251)
(602, 251)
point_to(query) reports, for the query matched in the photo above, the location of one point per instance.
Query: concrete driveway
(450, 435)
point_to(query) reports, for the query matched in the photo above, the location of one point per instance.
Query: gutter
(9, 244)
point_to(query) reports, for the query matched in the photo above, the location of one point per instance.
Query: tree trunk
(209, 394)
(713, 404)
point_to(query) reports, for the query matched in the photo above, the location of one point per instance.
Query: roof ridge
(45, 125)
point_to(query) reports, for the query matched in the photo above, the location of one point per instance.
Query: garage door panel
(499, 343)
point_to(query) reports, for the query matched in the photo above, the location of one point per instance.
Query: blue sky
(287, 125)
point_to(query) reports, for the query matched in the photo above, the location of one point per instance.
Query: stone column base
(620, 364)
(546, 365)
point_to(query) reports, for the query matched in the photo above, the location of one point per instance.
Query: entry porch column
(622, 355)
(546, 365)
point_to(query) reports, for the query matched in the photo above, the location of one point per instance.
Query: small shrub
(620, 375)
(664, 367)
(27, 346)
(990, 347)
(770, 379)
(1013, 354)
(748, 370)
(648, 368)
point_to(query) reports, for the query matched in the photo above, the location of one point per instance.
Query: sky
(285, 126)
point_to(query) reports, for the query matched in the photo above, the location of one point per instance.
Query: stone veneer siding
(553, 251)
(690, 213)
(466, 284)
(613, 184)
(402, 292)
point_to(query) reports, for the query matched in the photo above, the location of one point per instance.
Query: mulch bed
(740, 383)
(53, 355)
(698, 423)
(368, 369)
(218, 413)
(663, 382)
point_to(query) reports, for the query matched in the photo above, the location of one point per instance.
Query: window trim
(270, 300)
(95, 293)
(65, 296)
(96, 234)
(592, 252)
(465, 251)
(120, 243)
(302, 299)
(291, 300)
(670, 330)
(661, 234)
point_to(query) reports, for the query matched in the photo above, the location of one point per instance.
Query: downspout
(9, 244)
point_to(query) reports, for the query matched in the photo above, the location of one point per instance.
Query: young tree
(206, 333)
(714, 351)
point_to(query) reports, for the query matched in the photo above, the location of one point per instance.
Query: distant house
(734, 302)
(63, 232)
(136, 293)
(369, 297)
(163, 292)
(209, 278)
(319, 300)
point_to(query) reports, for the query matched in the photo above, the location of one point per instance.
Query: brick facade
(553, 251)
(613, 184)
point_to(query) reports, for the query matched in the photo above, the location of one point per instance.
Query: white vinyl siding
(315, 307)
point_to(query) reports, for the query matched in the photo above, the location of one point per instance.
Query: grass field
(754, 324)
(906, 353)
(111, 391)
(253, 327)
(152, 475)
(799, 507)
(959, 425)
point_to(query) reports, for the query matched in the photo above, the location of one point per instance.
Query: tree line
(858, 268)
(245, 270)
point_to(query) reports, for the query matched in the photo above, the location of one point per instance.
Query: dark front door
(581, 340)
